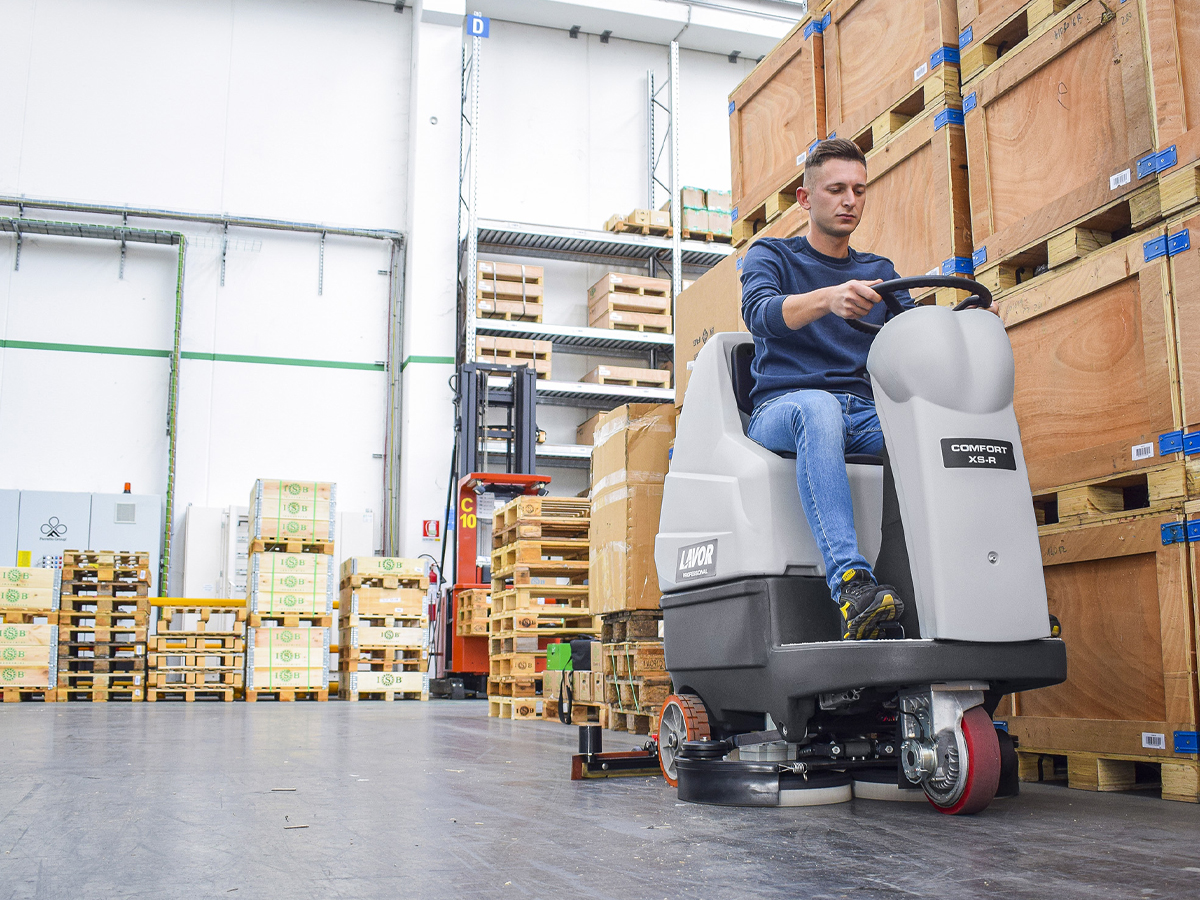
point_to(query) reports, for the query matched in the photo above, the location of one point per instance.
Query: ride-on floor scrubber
(771, 707)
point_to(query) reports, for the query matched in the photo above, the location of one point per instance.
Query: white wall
(289, 109)
(565, 143)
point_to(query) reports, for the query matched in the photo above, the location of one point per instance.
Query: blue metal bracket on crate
(958, 265)
(818, 26)
(943, 55)
(732, 107)
(966, 37)
(1186, 742)
(1171, 442)
(1180, 532)
(813, 145)
(1153, 163)
(1191, 443)
(947, 117)
(738, 264)
(733, 214)
(970, 102)
(979, 257)
(1168, 245)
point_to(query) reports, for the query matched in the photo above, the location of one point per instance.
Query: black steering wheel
(980, 297)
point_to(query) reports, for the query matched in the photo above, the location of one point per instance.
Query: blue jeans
(821, 428)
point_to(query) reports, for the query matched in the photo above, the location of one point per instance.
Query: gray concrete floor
(433, 800)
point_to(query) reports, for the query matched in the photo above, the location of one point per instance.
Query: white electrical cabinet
(203, 532)
(10, 503)
(235, 552)
(51, 522)
(130, 522)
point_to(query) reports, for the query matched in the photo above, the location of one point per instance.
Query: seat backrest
(743, 379)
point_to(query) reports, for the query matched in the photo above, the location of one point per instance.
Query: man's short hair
(832, 148)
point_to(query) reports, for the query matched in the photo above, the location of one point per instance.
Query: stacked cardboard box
(383, 641)
(290, 587)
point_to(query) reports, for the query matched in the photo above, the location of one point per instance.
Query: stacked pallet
(641, 221)
(383, 641)
(539, 595)
(630, 303)
(509, 291)
(104, 611)
(196, 652)
(29, 601)
(474, 607)
(290, 588)
(635, 674)
(534, 355)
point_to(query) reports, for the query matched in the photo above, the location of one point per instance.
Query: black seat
(743, 384)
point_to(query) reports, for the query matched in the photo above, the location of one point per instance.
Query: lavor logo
(978, 453)
(697, 561)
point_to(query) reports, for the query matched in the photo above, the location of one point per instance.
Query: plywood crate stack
(290, 589)
(197, 652)
(509, 291)
(29, 600)
(383, 641)
(103, 617)
(539, 594)
(536, 355)
(474, 607)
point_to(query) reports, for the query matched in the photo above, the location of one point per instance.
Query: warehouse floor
(435, 800)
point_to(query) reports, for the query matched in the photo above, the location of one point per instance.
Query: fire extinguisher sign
(431, 529)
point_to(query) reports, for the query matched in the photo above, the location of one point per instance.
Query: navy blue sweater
(827, 354)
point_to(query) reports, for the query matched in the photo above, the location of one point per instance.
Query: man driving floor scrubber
(811, 394)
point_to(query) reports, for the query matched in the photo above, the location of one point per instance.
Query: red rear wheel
(682, 718)
(982, 763)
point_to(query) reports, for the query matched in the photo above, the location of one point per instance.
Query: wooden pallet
(627, 321)
(709, 237)
(25, 695)
(287, 695)
(105, 604)
(1179, 780)
(381, 659)
(29, 617)
(506, 271)
(386, 582)
(284, 545)
(97, 589)
(208, 642)
(509, 310)
(543, 554)
(628, 375)
(536, 355)
(640, 221)
(1156, 489)
(194, 662)
(385, 696)
(288, 620)
(516, 664)
(204, 617)
(84, 665)
(397, 619)
(517, 708)
(198, 676)
(571, 572)
(630, 721)
(119, 635)
(100, 694)
(641, 694)
(634, 659)
(105, 559)
(570, 597)
(581, 713)
(514, 686)
(545, 620)
(632, 625)
(190, 693)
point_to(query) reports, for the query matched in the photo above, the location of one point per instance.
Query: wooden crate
(885, 60)
(535, 355)
(1054, 134)
(1185, 281)
(1124, 600)
(629, 375)
(641, 221)
(1095, 365)
(775, 115)
(494, 272)
(989, 29)
(917, 212)
(630, 321)
(637, 292)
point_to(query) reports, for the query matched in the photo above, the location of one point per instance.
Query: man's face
(835, 196)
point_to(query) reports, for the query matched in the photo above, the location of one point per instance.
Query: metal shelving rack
(577, 245)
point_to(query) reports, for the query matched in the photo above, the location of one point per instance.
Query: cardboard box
(711, 305)
(693, 196)
(585, 432)
(695, 219)
(629, 463)
(720, 221)
(718, 200)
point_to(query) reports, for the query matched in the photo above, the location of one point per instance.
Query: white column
(430, 323)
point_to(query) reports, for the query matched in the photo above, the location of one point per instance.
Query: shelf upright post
(468, 190)
(676, 211)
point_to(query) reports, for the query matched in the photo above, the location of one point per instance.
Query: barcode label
(1120, 179)
(921, 71)
(1143, 451)
(801, 158)
(1153, 741)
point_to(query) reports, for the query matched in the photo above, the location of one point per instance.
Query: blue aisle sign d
(478, 26)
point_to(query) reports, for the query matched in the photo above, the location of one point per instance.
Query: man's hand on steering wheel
(854, 299)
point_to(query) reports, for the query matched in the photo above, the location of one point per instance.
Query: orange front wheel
(682, 718)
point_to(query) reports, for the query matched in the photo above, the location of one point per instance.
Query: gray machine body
(730, 506)
(750, 626)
